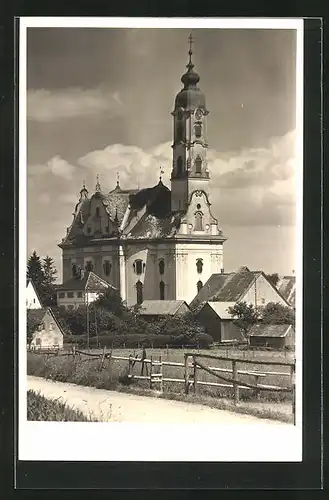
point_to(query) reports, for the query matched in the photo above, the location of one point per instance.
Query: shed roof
(221, 308)
(262, 330)
(160, 307)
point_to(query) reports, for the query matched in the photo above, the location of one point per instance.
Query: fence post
(102, 359)
(186, 374)
(151, 370)
(73, 349)
(161, 373)
(130, 367)
(257, 390)
(195, 381)
(110, 365)
(235, 383)
(293, 390)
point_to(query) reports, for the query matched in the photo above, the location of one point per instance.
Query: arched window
(89, 266)
(162, 290)
(179, 166)
(107, 267)
(199, 265)
(180, 131)
(197, 130)
(198, 226)
(74, 270)
(138, 266)
(198, 164)
(199, 285)
(161, 266)
(97, 211)
(139, 291)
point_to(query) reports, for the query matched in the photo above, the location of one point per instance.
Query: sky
(99, 101)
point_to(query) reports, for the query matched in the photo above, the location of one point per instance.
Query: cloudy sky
(99, 102)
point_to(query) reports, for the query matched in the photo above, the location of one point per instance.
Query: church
(154, 243)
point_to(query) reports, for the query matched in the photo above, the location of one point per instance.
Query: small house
(151, 310)
(44, 329)
(81, 290)
(218, 323)
(33, 300)
(274, 336)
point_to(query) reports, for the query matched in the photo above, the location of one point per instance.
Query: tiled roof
(260, 330)
(90, 282)
(160, 307)
(150, 226)
(287, 288)
(225, 287)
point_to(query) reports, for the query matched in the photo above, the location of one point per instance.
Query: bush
(40, 408)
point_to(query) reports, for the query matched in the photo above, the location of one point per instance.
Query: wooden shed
(218, 323)
(275, 336)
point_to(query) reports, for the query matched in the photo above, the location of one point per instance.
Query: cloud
(56, 166)
(50, 105)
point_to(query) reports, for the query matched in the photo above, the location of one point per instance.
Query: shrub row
(135, 340)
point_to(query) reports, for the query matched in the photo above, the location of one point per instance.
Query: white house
(32, 298)
(46, 332)
(83, 289)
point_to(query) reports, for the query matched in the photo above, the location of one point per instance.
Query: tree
(273, 278)
(48, 288)
(111, 300)
(245, 316)
(278, 314)
(35, 271)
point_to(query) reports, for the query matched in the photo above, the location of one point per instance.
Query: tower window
(74, 270)
(162, 290)
(198, 164)
(197, 130)
(199, 265)
(107, 267)
(198, 226)
(89, 266)
(179, 166)
(138, 266)
(161, 266)
(199, 285)
(139, 292)
(180, 131)
(89, 229)
(97, 211)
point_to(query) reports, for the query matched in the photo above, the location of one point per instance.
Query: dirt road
(114, 406)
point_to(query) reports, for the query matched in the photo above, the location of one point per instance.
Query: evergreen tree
(35, 271)
(48, 288)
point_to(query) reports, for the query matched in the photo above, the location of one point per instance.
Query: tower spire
(190, 65)
(98, 186)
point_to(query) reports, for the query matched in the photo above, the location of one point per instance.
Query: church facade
(154, 243)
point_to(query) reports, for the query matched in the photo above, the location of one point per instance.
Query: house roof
(90, 282)
(37, 315)
(221, 308)
(225, 287)
(160, 307)
(262, 330)
(287, 288)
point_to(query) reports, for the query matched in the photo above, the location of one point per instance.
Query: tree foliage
(245, 316)
(278, 314)
(111, 300)
(273, 278)
(43, 274)
(35, 271)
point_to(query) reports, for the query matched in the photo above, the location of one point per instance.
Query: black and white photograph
(160, 286)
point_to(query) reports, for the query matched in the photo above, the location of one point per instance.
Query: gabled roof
(160, 307)
(287, 288)
(37, 315)
(221, 308)
(264, 330)
(28, 281)
(90, 282)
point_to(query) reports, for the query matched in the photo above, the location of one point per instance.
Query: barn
(274, 336)
(44, 329)
(151, 310)
(217, 322)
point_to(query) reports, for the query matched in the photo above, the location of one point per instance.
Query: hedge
(135, 340)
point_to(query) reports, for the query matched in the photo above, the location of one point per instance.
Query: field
(85, 370)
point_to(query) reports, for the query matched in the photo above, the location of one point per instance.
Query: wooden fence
(192, 366)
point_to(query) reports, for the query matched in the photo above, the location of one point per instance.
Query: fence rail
(154, 371)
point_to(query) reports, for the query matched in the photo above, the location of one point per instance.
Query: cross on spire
(98, 186)
(190, 41)
(161, 173)
(118, 179)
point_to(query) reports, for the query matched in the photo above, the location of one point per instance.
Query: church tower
(189, 170)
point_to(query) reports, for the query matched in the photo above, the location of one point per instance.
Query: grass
(86, 371)
(42, 409)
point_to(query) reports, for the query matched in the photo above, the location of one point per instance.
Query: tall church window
(138, 266)
(199, 265)
(198, 225)
(107, 267)
(198, 164)
(197, 130)
(161, 266)
(74, 270)
(179, 166)
(162, 290)
(89, 266)
(97, 211)
(139, 292)
(199, 285)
